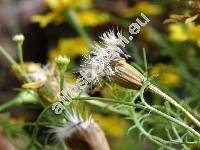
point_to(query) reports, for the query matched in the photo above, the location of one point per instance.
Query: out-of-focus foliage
(167, 72)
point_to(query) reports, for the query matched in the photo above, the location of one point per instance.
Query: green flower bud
(62, 61)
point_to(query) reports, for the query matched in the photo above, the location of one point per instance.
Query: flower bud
(62, 61)
(19, 38)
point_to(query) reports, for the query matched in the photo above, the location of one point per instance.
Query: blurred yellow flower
(112, 125)
(144, 7)
(60, 5)
(72, 47)
(194, 34)
(184, 32)
(87, 16)
(50, 17)
(168, 75)
(177, 32)
(92, 18)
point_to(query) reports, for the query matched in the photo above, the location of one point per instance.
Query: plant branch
(11, 103)
(163, 114)
(19, 47)
(12, 61)
(148, 107)
(174, 103)
(24, 97)
(154, 139)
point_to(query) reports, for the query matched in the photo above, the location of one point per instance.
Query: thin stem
(163, 114)
(19, 47)
(148, 107)
(12, 61)
(178, 137)
(174, 103)
(26, 96)
(11, 103)
(154, 139)
(167, 106)
(62, 74)
(36, 128)
(71, 15)
(171, 119)
(110, 100)
(145, 62)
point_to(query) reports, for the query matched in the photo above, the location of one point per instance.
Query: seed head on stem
(113, 66)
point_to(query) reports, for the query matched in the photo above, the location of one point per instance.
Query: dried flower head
(40, 76)
(99, 63)
(29, 67)
(81, 134)
(127, 76)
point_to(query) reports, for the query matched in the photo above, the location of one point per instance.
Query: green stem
(174, 103)
(154, 139)
(110, 100)
(167, 106)
(148, 107)
(163, 114)
(19, 47)
(36, 128)
(171, 119)
(145, 62)
(11, 103)
(71, 16)
(62, 74)
(12, 61)
(27, 96)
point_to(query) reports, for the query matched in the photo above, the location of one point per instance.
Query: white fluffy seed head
(109, 38)
(99, 63)
(75, 122)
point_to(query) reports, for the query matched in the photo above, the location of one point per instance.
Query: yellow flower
(193, 34)
(177, 33)
(112, 125)
(60, 5)
(72, 47)
(184, 32)
(168, 75)
(144, 7)
(92, 18)
(87, 16)
(48, 18)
